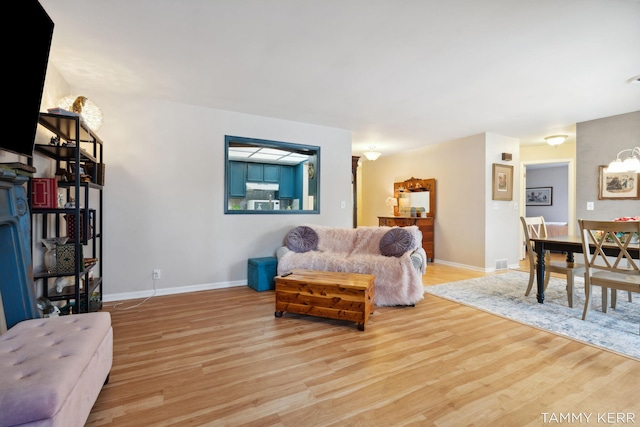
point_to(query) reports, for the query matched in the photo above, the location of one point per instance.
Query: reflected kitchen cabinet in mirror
(271, 177)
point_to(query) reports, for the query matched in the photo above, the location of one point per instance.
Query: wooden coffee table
(342, 296)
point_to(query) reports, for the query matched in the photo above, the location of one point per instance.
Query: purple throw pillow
(396, 242)
(302, 239)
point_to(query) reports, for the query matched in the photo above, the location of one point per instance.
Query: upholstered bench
(52, 370)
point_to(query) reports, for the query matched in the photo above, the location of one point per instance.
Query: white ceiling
(399, 74)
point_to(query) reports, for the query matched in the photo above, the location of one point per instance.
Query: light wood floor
(221, 358)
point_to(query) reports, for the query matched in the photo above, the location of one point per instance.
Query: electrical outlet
(156, 274)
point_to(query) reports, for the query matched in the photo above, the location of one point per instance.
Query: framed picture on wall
(618, 185)
(502, 182)
(539, 196)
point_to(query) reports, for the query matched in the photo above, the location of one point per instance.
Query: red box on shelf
(44, 193)
(71, 227)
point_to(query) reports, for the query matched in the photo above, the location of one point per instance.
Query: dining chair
(534, 227)
(601, 240)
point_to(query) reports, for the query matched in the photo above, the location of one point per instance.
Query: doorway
(559, 176)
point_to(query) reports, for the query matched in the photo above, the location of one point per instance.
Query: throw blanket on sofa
(358, 250)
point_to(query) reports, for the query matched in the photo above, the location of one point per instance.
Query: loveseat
(393, 254)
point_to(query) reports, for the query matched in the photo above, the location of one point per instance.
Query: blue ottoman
(261, 272)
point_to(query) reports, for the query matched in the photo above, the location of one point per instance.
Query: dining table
(569, 245)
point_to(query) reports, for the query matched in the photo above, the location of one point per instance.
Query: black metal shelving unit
(83, 151)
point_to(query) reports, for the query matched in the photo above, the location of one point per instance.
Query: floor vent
(502, 264)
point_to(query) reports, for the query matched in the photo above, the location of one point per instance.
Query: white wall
(502, 217)
(164, 193)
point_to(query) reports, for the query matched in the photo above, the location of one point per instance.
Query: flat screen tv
(25, 71)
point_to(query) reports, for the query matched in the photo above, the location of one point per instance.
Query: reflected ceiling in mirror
(270, 177)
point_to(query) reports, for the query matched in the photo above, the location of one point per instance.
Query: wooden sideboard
(424, 224)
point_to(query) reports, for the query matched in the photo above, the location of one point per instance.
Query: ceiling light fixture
(554, 140)
(630, 164)
(372, 154)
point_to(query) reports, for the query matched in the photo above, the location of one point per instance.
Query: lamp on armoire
(392, 202)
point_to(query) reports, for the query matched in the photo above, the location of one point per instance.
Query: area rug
(503, 294)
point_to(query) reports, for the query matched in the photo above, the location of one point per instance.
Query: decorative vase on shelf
(50, 255)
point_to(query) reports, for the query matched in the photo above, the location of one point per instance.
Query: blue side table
(260, 273)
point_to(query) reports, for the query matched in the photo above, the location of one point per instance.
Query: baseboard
(465, 266)
(171, 291)
(222, 285)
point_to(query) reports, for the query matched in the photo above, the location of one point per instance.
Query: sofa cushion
(396, 242)
(302, 239)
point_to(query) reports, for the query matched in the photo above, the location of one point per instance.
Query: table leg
(540, 271)
(570, 259)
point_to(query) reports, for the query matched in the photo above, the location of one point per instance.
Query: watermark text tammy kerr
(615, 418)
